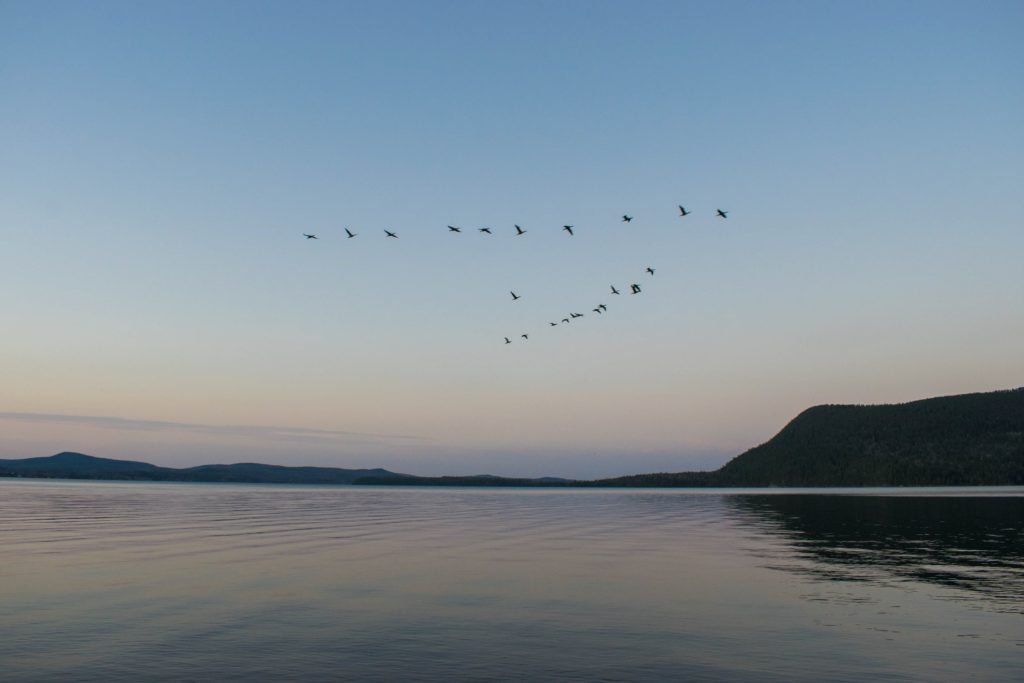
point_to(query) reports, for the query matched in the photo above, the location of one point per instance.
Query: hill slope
(951, 440)
(79, 466)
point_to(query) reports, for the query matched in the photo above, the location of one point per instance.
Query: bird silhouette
(722, 214)
(391, 234)
(614, 291)
(597, 310)
(636, 288)
(683, 213)
(553, 324)
(650, 270)
(350, 233)
(452, 228)
(626, 219)
(575, 315)
(487, 230)
(525, 336)
(568, 229)
(602, 307)
(507, 340)
(520, 231)
(565, 320)
(514, 296)
(310, 237)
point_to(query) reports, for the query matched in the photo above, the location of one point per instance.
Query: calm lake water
(155, 582)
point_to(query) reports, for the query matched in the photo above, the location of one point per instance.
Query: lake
(167, 582)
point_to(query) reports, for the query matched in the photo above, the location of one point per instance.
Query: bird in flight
(602, 307)
(683, 213)
(391, 234)
(553, 324)
(568, 229)
(310, 237)
(514, 296)
(635, 288)
(650, 270)
(525, 336)
(722, 214)
(598, 311)
(452, 228)
(520, 231)
(565, 320)
(487, 230)
(350, 233)
(575, 315)
(507, 340)
(614, 291)
(626, 219)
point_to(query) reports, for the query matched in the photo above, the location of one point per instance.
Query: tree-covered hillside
(952, 440)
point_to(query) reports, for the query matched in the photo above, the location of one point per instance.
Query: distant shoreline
(965, 440)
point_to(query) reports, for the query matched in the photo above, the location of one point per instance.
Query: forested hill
(952, 440)
(972, 439)
(80, 466)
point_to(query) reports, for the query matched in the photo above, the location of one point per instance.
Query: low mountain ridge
(79, 466)
(970, 439)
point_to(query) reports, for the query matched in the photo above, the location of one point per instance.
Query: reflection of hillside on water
(973, 544)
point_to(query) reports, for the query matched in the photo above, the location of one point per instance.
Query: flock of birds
(635, 287)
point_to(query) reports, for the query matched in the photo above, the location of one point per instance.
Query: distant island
(965, 440)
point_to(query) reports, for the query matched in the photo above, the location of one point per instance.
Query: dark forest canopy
(971, 439)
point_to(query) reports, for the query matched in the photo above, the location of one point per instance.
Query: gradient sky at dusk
(159, 163)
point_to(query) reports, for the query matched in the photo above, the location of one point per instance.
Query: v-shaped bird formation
(519, 231)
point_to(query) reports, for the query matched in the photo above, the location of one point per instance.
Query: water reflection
(974, 544)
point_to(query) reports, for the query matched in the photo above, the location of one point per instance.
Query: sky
(160, 162)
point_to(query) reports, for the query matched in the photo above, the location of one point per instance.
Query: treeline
(972, 439)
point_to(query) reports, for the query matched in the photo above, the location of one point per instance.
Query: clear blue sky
(159, 163)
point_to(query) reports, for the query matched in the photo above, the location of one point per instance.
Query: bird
(507, 340)
(452, 228)
(487, 230)
(650, 270)
(514, 296)
(598, 310)
(614, 291)
(575, 315)
(635, 288)
(567, 228)
(520, 231)
(310, 237)
(553, 324)
(722, 214)
(602, 307)
(565, 320)
(350, 233)
(683, 213)
(626, 219)
(391, 234)
(525, 336)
